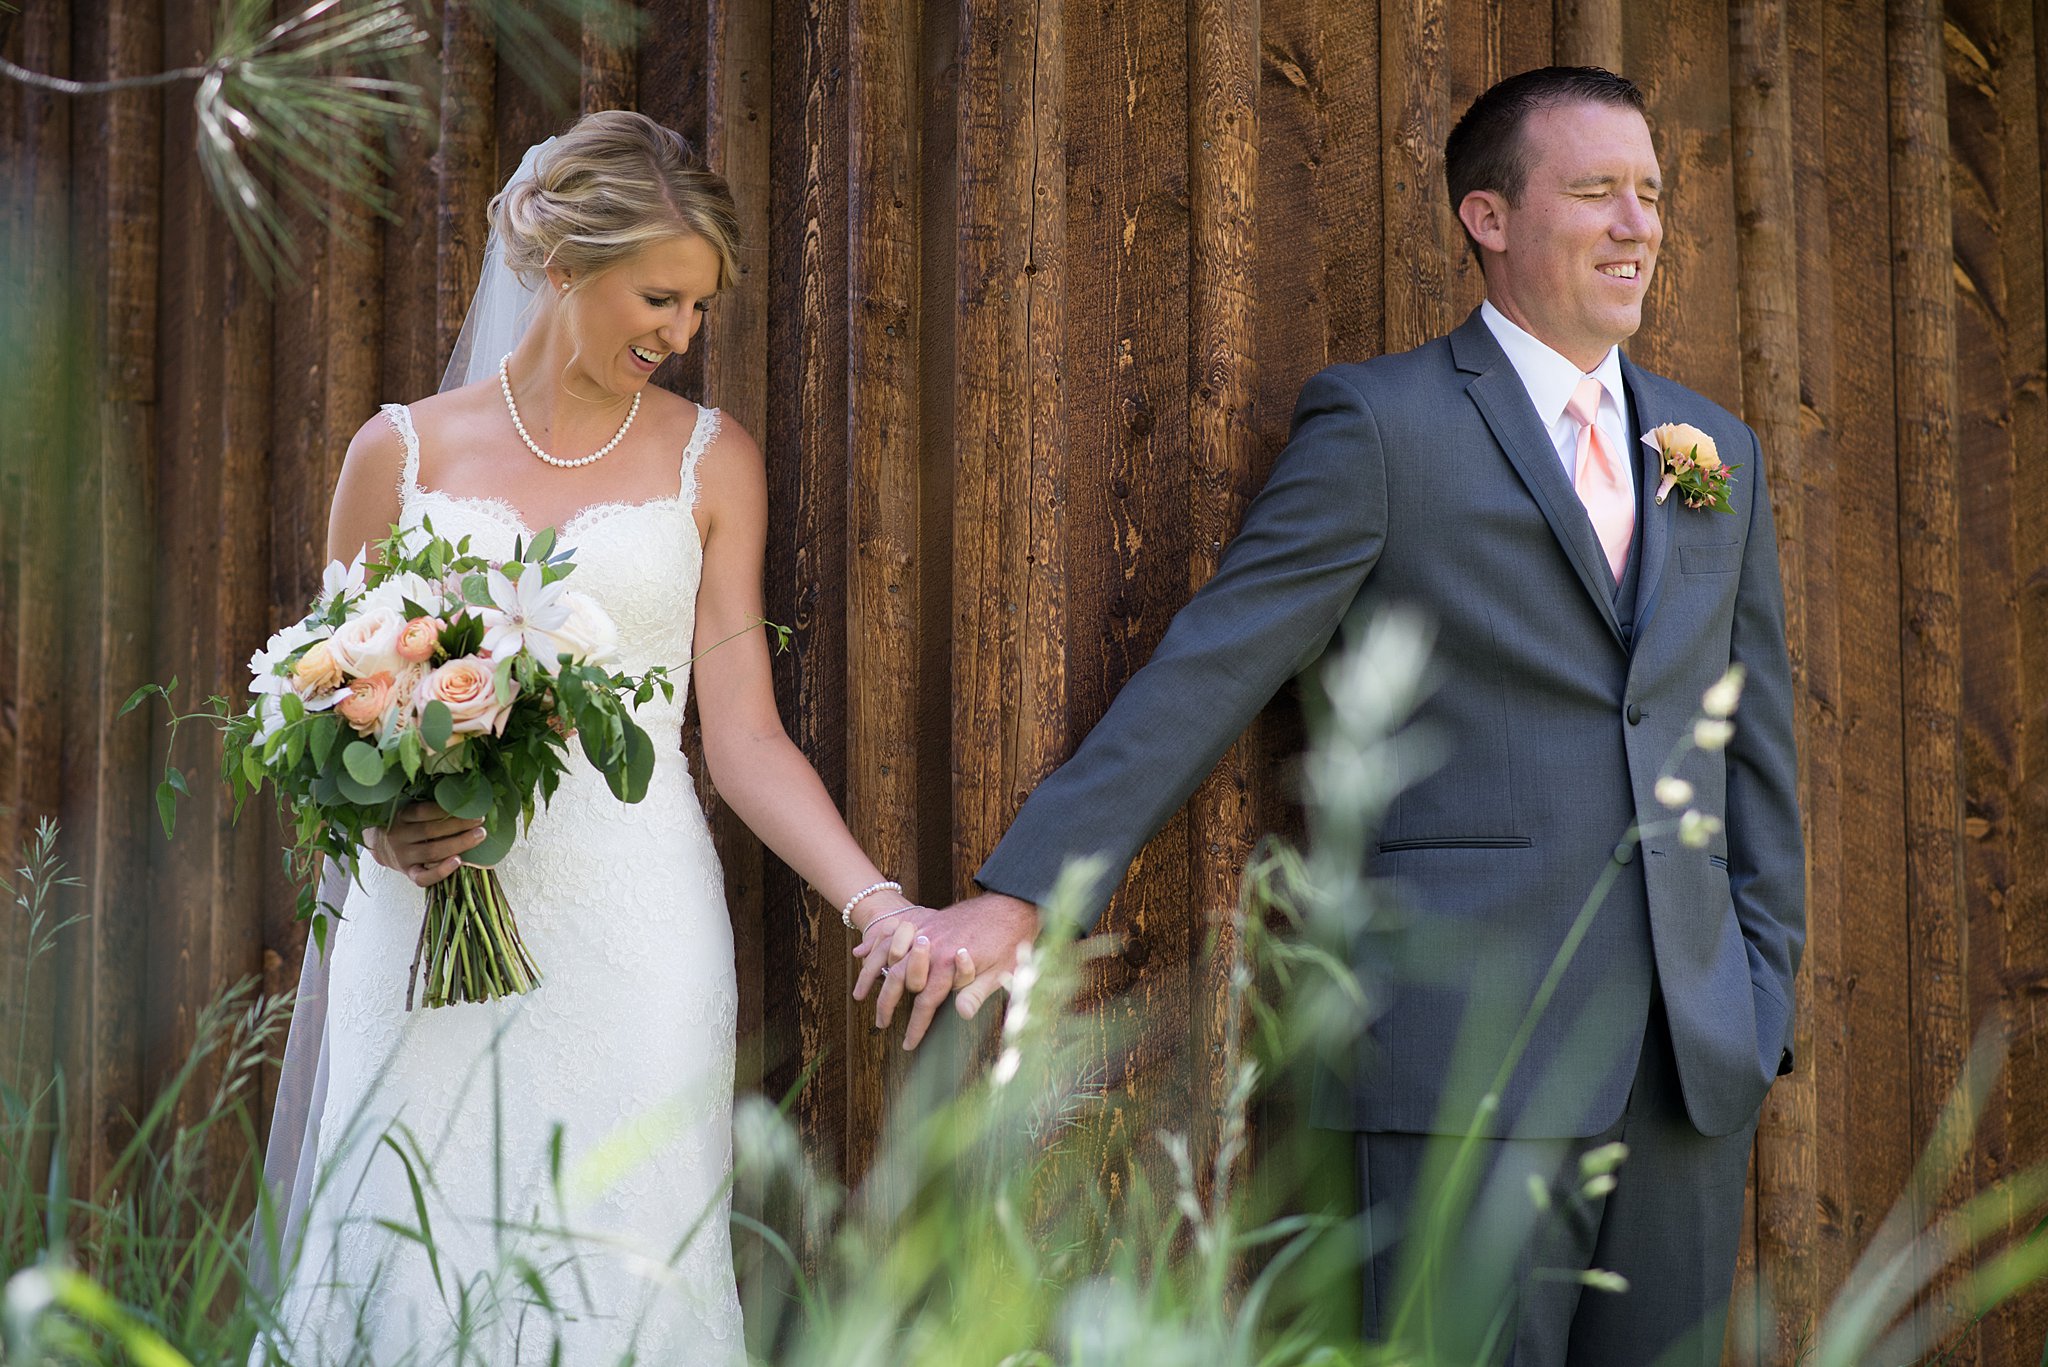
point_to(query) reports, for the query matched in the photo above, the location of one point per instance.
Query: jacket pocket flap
(1719, 559)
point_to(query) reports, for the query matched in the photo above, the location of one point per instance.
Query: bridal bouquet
(434, 674)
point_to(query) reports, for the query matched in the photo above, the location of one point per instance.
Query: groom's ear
(1484, 214)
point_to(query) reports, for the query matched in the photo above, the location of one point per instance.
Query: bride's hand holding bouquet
(432, 689)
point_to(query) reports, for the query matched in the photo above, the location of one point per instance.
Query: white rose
(589, 635)
(368, 643)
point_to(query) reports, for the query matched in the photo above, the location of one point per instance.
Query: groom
(1496, 479)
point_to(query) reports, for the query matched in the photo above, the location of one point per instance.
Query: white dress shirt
(1549, 380)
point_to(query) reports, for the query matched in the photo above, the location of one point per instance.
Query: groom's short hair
(1486, 150)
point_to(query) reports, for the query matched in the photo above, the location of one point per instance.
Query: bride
(544, 1178)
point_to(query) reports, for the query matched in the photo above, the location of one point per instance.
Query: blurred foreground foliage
(1018, 1213)
(305, 106)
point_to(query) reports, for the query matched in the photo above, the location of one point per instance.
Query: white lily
(521, 613)
(264, 663)
(346, 580)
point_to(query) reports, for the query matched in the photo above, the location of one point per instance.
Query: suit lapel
(1497, 391)
(1656, 530)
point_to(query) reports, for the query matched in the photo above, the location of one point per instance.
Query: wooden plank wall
(1028, 294)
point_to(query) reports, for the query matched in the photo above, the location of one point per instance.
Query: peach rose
(464, 686)
(363, 707)
(419, 639)
(316, 671)
(1682, 438)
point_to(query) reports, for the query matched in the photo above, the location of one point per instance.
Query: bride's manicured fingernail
(924, 939)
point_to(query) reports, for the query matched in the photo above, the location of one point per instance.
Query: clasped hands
(966, 950)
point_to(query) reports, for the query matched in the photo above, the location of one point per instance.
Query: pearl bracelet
(846, 912)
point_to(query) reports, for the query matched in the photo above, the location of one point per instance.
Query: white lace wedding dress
(570, 1147)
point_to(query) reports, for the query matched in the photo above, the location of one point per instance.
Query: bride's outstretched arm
(758, 770)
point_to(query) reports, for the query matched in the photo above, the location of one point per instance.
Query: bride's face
(626, 321)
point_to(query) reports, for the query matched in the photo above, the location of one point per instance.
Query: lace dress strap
(409, 475)
(700, 437)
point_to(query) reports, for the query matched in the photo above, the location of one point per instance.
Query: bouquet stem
(470, 943)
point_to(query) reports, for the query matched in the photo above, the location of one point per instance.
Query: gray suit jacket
(1426, 479)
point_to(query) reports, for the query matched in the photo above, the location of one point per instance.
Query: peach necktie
(1602, 485)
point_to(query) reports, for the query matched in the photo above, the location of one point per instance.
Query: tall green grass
(142, 1260)
(1025, 1212)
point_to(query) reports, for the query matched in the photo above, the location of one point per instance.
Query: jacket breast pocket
(1720, 559)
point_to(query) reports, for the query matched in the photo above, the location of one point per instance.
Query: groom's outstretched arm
(1285, 583)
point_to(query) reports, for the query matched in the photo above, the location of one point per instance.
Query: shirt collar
(1548, 377)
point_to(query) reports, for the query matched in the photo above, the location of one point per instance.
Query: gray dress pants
(1510, 1278)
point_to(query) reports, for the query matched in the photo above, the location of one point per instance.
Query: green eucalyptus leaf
(437, 724)
(467, 795)
(543, 545)
(364, 763)
(388, 786)
(499, 831)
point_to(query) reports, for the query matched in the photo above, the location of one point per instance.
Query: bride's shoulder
(375, 451)
(730, 453)
(731, 477)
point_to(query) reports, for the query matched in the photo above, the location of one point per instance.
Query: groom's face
(1576, 248)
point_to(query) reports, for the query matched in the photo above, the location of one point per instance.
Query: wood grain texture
(1423, 241)
(1589, 33)
(1768, 304)
(1821, 1044)
(806, 439)
(38, 490)
(2022, 985)
(1009, 561)
(1995, 212)
(1223, 166)
(106, 803)
(884, 612)
(1924, 373)
(1873, 911)
(608, 57)
(465, 166)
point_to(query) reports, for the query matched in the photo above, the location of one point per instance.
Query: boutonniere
(1691, 465)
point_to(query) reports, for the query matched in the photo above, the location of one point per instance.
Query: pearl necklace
(505, 388)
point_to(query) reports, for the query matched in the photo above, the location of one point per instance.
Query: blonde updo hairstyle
(613, 183)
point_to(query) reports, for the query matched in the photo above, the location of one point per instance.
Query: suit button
(1635, 713)
(1625, 852)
